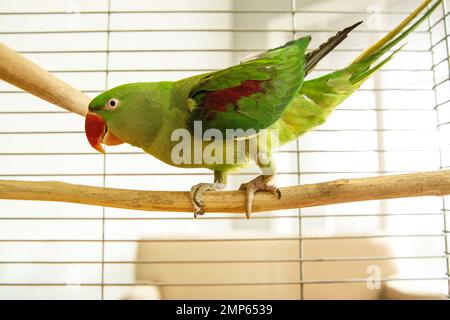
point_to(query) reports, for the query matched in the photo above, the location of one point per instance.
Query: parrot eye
(112, 103)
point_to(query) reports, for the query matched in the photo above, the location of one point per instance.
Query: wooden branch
(21, 72)
(435, 183)
(26, 75)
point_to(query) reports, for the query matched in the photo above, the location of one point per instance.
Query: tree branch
(435, 183)
(21, 72)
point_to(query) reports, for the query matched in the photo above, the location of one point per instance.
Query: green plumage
(149, 112)
(318, 97)
(281, 72)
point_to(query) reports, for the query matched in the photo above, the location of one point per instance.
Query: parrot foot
(260, 183)
(197, 192)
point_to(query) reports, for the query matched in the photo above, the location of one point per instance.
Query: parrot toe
(197, 192)
(260, 183)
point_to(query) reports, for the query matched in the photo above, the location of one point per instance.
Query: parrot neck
(146, 115)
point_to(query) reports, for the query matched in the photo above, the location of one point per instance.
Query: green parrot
(198, 121)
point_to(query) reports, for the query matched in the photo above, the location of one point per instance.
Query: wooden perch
(28, 76)
(435, 183)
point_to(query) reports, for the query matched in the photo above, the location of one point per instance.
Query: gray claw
(199, 212)
(253, 186)
(196, 196)
(276, 192)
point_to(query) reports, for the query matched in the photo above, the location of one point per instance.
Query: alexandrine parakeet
(265, 93)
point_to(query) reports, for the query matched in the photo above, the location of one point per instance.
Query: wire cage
(397, 122)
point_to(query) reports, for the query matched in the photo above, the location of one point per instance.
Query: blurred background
(397, 122)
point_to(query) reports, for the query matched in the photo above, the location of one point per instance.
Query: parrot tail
(364, 62)
(318, 97)
(313, 57)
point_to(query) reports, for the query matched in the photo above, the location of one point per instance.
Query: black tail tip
(355, 25)
(350, 29)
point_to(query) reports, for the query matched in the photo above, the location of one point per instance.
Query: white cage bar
(391, 125)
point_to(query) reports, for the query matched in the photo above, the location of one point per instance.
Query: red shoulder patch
(217, 101)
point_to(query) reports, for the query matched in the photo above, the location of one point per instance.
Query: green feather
(281, 69)
(318, 97)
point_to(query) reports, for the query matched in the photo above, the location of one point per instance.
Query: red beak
(97, 132)
(95, 128)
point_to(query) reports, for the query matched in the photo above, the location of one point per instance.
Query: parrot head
(101, 109)
(127, 113)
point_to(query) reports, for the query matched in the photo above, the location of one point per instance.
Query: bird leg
(198, 190)
(260, 183)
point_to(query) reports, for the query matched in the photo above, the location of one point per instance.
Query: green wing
(253, 94)
(318, 97)
(315, 101)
